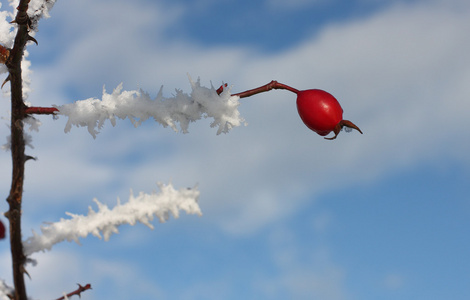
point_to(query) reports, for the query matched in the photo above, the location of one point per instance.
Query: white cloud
(303, 273)
(400, 75)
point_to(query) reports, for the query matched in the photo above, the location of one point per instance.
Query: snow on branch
(5, 291)
(105, 221)
(138, 107)
(40, 8)
(37, 9)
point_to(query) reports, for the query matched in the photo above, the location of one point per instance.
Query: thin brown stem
(40, 110)
(265, 88)
(77, 291)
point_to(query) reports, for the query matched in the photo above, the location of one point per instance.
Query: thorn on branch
(5, 81)
(29, 157)
(25, 271)
(77, 291)
(30, 38)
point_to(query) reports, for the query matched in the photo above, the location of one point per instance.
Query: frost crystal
(40, 8)
(5, 290)
(33, 123)
(138, 107)
(33, 126)
(105, 221)
(37, 9)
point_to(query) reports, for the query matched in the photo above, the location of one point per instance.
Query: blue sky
(286, 214)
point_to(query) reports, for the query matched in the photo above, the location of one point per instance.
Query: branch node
(22, 18)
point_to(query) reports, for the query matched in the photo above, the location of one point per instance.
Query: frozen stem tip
(221, 88)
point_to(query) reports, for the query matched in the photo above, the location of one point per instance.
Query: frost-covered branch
(33, 126)
(138, 107)
(40, 8)
(5, 291)
(36, 9)
(105, 221)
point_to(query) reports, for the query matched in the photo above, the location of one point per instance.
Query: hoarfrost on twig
(105, 221)
(138, 106)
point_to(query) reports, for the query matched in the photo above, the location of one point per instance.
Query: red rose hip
(321, 112)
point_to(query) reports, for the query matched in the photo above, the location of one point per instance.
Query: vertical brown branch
(17, 150)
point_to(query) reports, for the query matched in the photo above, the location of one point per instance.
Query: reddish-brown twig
(273, 85)
(77, 291)
(41, 110)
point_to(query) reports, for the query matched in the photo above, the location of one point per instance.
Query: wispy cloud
(294, 4)
(398, 74)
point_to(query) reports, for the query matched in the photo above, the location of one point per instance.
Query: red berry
(2, 230)
(321, 112)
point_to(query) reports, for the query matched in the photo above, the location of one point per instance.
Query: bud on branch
(4, 54)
